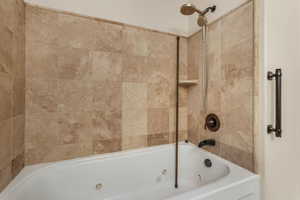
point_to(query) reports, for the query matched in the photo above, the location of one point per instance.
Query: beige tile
(237, 156)
(135, 68)
(12, 13)
(214, 37)
(159, 91)
(109, 37)
(195, 56)
(68, 28)
(183, 119)
(41, 25)
(5, 176)
(106, 66)
(134, 109)
(136, 42)
(6, 46)
(6, 143)
(73, 126)
(134, 142)
(42, 95)
(41, 136)
(106, 146)
(6, 97)
(66, 152)
(19, 96)
(72, 63)
(238, 61)
(158, 121)
(182, 136)
(17, 164)
(18, 138)
(106, 124)
(158, 139)
(161, 45)
(238, 26)
(74, 96)
(18, 52)
(183, 58)
(106, 96)
(41, 60)
(98, 35)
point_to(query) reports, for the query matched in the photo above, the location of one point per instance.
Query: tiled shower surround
(230, 61)
(12, 85)
(94, 86)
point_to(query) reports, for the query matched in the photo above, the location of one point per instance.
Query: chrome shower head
(188, 9)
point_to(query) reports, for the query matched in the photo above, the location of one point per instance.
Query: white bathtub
(143, 174)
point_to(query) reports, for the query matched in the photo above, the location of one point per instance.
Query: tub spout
(209, 142)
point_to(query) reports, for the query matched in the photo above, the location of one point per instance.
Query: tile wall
(12, 85)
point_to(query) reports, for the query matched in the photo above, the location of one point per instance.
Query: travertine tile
(182, 117)
(106, 96)
(18, 136)
(194, 56)
(106, 124)
(42, 95)
(94, 86)
(158, 121)
(18, 53)
(41, 136)
(238, 62)
(41, 60)
(158, 139)
(6, 143)
(182, 136)
(159, 91)
(237, 156)
(134, 142)
(183, 58)
(5, 176)
(74, 96)
(41, 25)
(12, 84)
(72, 63)
(134, 109)
(238, 26)
(161, 45)
(17, 164)
(106, 66)
(106, 146)
(18, 96)
(136, 41)
(214, 37)
(230, 86)
(6, 46)
(109, 37)
(6, 106)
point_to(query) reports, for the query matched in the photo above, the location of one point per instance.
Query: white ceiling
(161, 15)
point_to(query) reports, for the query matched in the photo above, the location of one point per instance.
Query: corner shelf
(188, 83)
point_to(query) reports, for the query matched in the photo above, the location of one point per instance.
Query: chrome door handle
(277, 129)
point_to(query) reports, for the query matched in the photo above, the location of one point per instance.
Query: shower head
(188, 9)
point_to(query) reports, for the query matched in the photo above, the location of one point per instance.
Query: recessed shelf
(188, 83)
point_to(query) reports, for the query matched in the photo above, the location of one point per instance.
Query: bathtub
(143, 174)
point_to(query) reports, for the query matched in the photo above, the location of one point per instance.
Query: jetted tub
(143, 174)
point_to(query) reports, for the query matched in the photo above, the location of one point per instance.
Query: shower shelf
(188, 83)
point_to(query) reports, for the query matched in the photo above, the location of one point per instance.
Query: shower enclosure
(135, 87)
